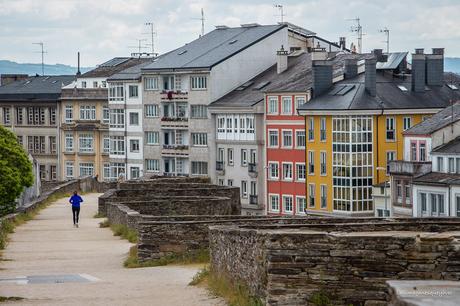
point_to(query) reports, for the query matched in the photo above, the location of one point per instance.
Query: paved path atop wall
(53, 263)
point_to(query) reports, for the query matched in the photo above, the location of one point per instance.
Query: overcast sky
(102, 29)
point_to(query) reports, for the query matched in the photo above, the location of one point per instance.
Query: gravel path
(49, 262)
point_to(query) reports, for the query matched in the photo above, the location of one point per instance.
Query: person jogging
(75, 200)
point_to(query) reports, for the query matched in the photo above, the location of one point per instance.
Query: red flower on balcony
(170, 94)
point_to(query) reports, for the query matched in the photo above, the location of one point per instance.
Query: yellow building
(354, 127)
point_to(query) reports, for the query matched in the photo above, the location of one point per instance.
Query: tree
(15, 171)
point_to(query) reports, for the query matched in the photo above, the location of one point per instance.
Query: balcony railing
(174, 119)
(253, 199)
(175, 147)
(402, 167)
(220, 166)
(252, 167)
(172, 95)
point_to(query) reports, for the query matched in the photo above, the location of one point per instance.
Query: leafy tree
(15, 171)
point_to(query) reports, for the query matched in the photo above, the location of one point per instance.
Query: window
(274, 202)
(86, 169)
(20, 140)
(287, 204)
(68, 142)
(399, 190)
(116, 92)
(244, 157)
(230, 156)
(299, 101)
(87, 112)
(301, 204)
(151, 111)
(106, 170)
(391, 155)
(273, 106)
(20, 115)
(52, 115)
(287, 139)
(273, 170)
(117, 170)
(287, 171)
(220, 182)
(199, 139)
(69, 169)
(6, 115)
(311, 129)
(311, 162)
(422, 151)
(413, 151)
(407, 123)
(322, 129)
(134, 145)
(103, 84)
(199, 111)
(153, 138)
(199, 168)
(152, 165)
(151, 83)
(133, 118)
(323, 196)
(117, 145)
(457, 205)
(52, 144)
(244, 189)
(53, 172)
(94, 84)
(105, 114)
(133, 91)
(198, 82)
(229, 182)
(273, 138)
(286, 106)
(106, 144)
(300, 139)
(135, 171)
(253, 190)
(68, 113)
(86, 144)
(457, 161)
(83, 84)
(440, 161)
(423, 202)
(42, 172)
(300, 171)
(390, 129)
(407, 193)
(221, 155)
(451, 162)
(322, 163)
(311, 195)
(168, 82)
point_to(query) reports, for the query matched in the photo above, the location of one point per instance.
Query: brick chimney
(351, 68)
(418, 71)
(282, 60)
(370, 76)
(435, 67)
(322, 71)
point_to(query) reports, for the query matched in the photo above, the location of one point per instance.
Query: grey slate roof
(452, 147)
(393, 61)
(436, 122)
(212, 48)
(36, 88)
(438, 179)
(388, 96)
(131, 73)
(112, 67)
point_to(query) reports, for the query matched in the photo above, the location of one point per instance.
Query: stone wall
(122, 214)
(297, 262)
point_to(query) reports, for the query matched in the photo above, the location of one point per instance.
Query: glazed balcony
(253, 199)
(252, 170)
(410, 168)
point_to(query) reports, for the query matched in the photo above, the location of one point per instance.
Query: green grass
(104, 223)
(235, 294)
(7, 227)
(98, 215)
(10, 298)
(196, 257)
(124, 232)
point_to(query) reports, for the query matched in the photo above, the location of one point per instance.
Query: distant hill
(32, 69)
(452, 64)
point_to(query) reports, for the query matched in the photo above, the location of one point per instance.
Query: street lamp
(385, 188)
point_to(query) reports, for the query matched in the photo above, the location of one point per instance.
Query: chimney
(418, 71)
(342, 43)
(435, 67)
(380, 57)
(370, 80)
(78, 65)
(351, 68)
(322, 72)
(282, 60)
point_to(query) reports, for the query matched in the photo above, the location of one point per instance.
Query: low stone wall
(122, 214)
(296, 263)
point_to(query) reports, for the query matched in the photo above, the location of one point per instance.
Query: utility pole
(202, 21)
(358, 29)
(43, 55)
(152, 33)
(386, 31)
(281, 9)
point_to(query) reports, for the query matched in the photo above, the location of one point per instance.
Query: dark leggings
(76, 214)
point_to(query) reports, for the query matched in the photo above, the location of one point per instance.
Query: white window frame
(151, 83)
(390, 126)
(311, 160)
(230, 156)
(323, 194)
(272, 196)
(69, 142)
(323, 129)
(298, 211)
(133, 91)
(198, 82)
(244, 189)
(199, 139)
(270, 145)
(287, 133)
(86, 143)
(106, 144)
(311, 195)
(297, 132)
(69, 165)
(199, 111)
(291, 177)
(152, 138)
(68, 113)
(152, 165)
(285, 101)
(311, 129)
(291, 198)
(269, 169)
(407, 123)
(323, 161)
(298, 172)
(275, 109)
(152, 111)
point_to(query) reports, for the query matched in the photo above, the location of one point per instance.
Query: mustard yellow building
(354, 127)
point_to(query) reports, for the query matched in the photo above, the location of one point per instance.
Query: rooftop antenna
(281, 9)
(386, 31)
(202, 21)
(152, 33)
(139, 46)
(358, 29)
(43, 55)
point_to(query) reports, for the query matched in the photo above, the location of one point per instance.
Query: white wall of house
(445, 134)
(407, 143)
